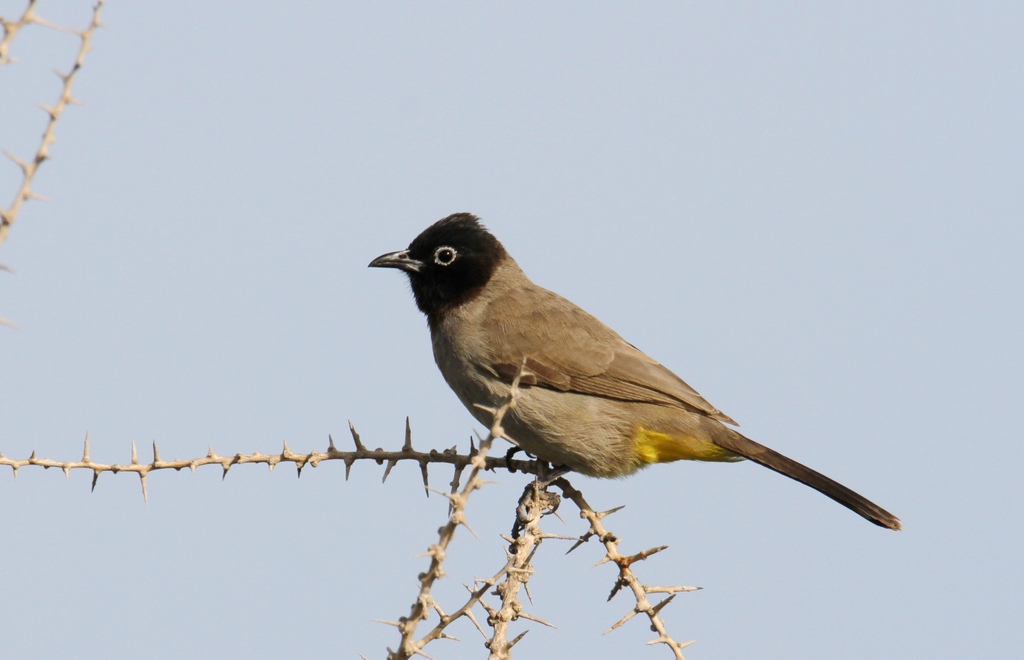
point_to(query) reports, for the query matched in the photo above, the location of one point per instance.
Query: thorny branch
(409, 645)
(536, 502)
(11, 28)
(313, 458)
(506, 582)
(524, 542)
(29, 168)
(527, 535)
(627, 578)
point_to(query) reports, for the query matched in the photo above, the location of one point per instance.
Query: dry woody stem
(313, 458)
(627, 578)
(505, 584)
(409, 645)
(30, 167)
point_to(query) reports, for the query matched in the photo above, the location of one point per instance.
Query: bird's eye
(444, 256)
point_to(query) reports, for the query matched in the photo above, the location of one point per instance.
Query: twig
(11, 28)
(313, 458)
(409, 645)
(527, 536)
(626, 578)
(29, 168)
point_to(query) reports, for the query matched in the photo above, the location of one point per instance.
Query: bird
(588, 400)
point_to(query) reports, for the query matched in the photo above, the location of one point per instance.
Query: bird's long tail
(773, 460)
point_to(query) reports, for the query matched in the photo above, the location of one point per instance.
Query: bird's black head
(447, 264)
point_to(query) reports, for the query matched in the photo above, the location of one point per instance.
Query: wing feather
(571, 351)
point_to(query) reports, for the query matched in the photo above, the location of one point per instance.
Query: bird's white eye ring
(444, 255)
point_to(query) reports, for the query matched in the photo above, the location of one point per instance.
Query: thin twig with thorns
(312, 459)
(30, 167)
(626, 578)
(524, 542)
(409, 645)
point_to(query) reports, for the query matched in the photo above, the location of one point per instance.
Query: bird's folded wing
(559, 346)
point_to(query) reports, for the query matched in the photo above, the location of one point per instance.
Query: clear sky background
(812, 212)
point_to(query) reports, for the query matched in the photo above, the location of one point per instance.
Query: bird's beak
(400, 260)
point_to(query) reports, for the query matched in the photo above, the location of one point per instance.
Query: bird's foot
(547, 473)
(509, 455)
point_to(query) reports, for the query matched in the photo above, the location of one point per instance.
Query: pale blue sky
(812, 212)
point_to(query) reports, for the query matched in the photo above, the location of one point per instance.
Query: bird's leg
(512, 451)
(547, 473)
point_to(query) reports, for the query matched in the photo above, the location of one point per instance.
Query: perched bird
(589, 400)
